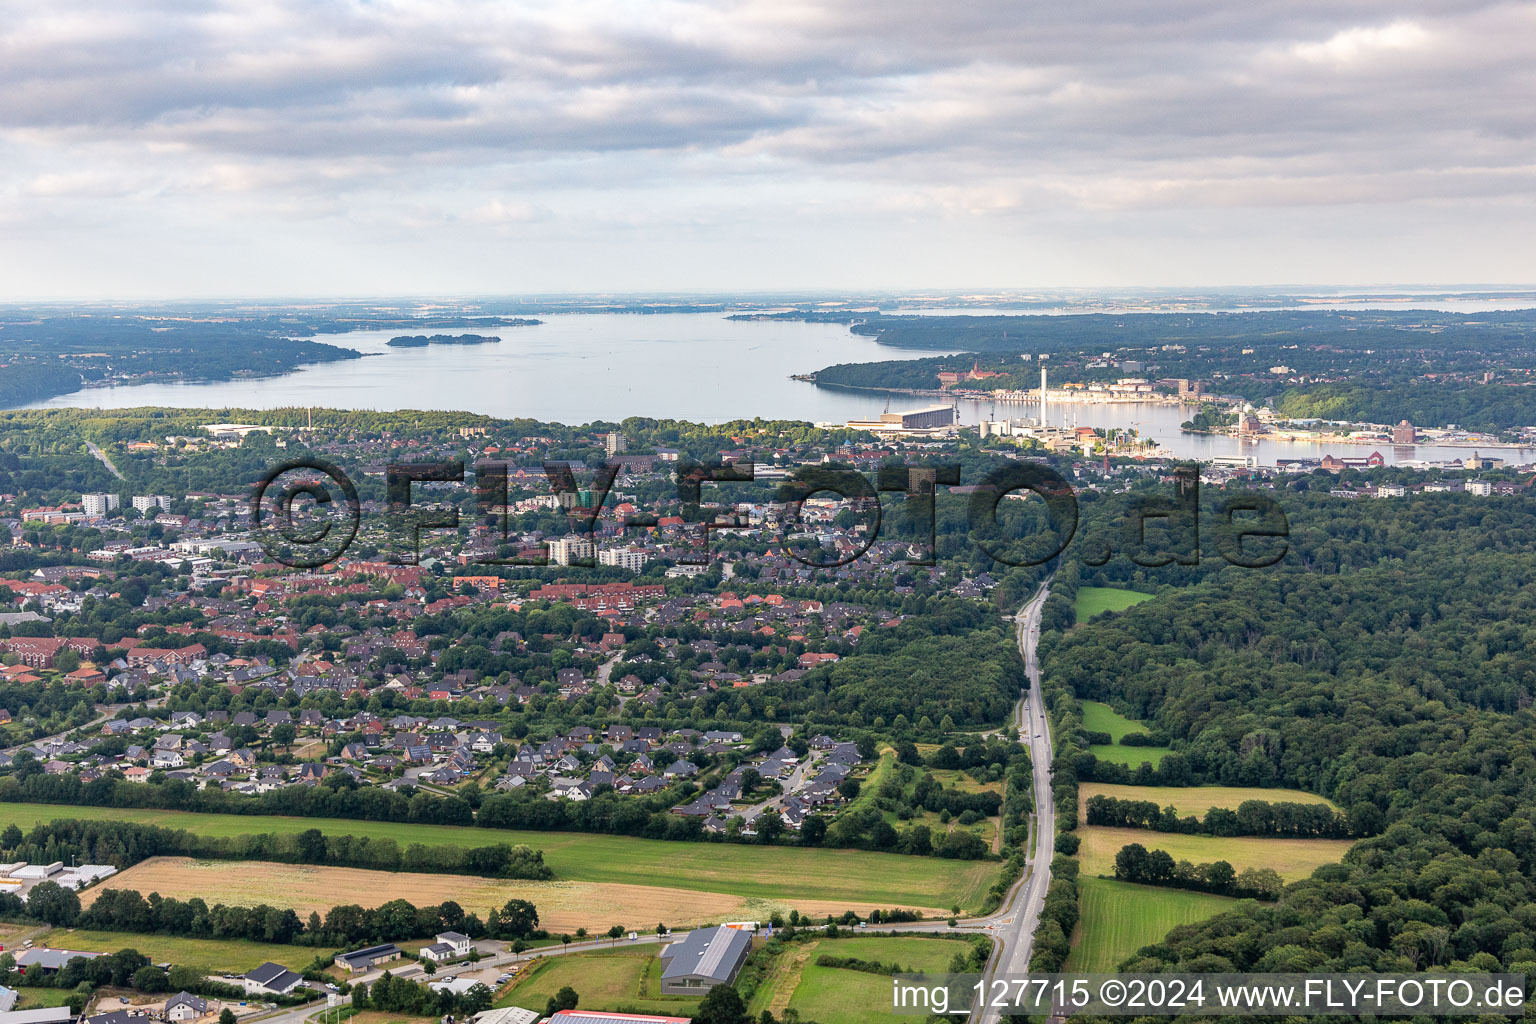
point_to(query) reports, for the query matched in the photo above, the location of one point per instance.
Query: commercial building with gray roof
(706, 958)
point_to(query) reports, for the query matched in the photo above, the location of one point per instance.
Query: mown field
(1192, 800)
(1098, 717)
(844, 878)
(1292, 859)
(623, 979)
(211, 956)
(1091, 601)
(834, 995)
(1118, 918)
(563, 906)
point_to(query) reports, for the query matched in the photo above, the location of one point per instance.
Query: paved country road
(1015, 933)
(1012, 927)
(104, 460)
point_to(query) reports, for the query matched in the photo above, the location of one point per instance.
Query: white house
(449, 946)
(185, 1006)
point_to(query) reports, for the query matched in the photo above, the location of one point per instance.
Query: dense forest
(1386, 663)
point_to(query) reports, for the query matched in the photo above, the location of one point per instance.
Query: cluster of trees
(398, 995)
(908, 793)
(1252, 818)
(1135, 863)
(123, 843)
(1210, 417)
(865, 827)
(957, 661)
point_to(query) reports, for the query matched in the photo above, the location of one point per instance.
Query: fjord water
(581, 367)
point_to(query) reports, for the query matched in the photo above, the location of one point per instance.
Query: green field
(1099, 717)
(1091, 601)
(763, 872)
(834, 995)
(620, 979)
(1292, 859)
(211, 956)
(37, 998)
(1118, 918)
(1193, 800)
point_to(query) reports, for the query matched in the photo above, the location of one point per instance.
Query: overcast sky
(350, 148)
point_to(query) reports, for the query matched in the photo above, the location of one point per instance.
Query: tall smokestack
(1042, 396)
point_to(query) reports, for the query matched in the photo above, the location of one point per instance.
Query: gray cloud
(561, 120)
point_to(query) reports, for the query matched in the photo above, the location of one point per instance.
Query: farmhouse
(596, 1017)
(706, 958)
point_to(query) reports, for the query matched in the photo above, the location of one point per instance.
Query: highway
(1014, 929)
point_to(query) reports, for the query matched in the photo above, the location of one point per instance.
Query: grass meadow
(1118, 918)
(1292, 859)
(1091, 601)
(821, 876)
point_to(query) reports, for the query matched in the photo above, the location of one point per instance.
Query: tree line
(1252, 818)
(123, 844)
(402, 996)
(344, 925)
(1135, 863)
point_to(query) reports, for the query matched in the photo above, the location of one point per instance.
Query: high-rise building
(571, 549)
(147, 502)
(615, 442)
(1404, 433)
(99, 504)
(633, 559)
